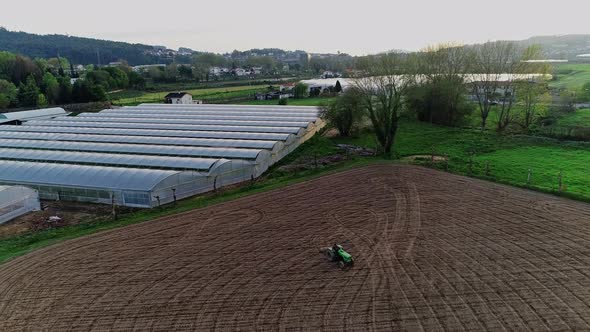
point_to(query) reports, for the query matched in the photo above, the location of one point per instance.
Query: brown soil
(71, 213)
(433, 251)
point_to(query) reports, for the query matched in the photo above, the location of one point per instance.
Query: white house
(179, 98)
(240, 72)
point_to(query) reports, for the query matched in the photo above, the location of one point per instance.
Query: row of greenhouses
(153, 154)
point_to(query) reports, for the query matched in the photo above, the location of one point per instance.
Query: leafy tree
(136, 81)
(119, 78)
(9, 91)
(65, 90)
(87, 91)
(209, 60)
(28, 93)
(41, 100)
(4, 101)
(440, 100)
(300, 90)
(185, 72)
(382, 92)
(103, 78)
(345, 113)
(50, 86)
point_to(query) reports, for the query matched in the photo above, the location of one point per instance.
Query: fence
(553, 181)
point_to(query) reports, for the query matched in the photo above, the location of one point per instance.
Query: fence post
(432, 156)
(174, 195)
(560, 182)
(113, 206)
(487, 169)
(446, 161)
(529, 177)
(471, 163)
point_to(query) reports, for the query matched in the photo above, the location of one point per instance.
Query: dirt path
(433, 252)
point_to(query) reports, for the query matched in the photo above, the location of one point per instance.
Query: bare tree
(493, 66)
(533, 97)
(382, 87)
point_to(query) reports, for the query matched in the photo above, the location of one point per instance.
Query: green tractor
(337, 254)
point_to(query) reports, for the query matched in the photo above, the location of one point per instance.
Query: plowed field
(433, 252)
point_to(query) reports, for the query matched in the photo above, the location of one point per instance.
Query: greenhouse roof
(218, 128)
(82, 176)
(112, 159)
(164, 120)
(216, 116)
(163, 150)
(183, 141)
(153, 132)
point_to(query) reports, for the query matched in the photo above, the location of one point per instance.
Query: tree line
(444, 85)
(26, 82)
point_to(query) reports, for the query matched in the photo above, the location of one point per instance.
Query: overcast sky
(353, 26)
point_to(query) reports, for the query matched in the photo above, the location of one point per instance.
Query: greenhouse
(253, 129)
(114, 185)
(287, 138)
(181, 141)
(146, 156)
(16, 201)
(176, 115)
(99, 118)
(110, 159)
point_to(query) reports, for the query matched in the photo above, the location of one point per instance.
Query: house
(240, 72)
(179, 98)
(256, 70)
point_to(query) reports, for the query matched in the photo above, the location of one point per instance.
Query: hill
(565, 47)
(77, 49)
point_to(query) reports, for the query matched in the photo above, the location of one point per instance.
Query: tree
(136, 81)
(490, 61)
(65, 90)
(532, 97)
(440, 100)
(209, 60)
(10, 92)
(338, 87)
(300, 90)
(382, 89)
(345, 113)
(50, 86)
(4, 101)
(439, 96)
(87, 91)
(28, 93)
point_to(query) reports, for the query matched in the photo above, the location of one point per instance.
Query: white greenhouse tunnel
(16, 201)
(149, 155)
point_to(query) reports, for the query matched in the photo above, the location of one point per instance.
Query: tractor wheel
(331, 255)
(341, 264)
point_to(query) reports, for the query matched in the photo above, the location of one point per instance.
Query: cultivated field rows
(432, 251)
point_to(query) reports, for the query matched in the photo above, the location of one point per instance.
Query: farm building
(179, 98)
(16, 201)
(148, 155)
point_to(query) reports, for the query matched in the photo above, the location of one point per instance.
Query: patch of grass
(579, 118)
(571, 75)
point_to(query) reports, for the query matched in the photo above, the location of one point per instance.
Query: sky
(356, 27)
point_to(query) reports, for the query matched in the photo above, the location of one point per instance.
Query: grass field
(579, 118)
(571, 76)
(509, 157)
(211, 94)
